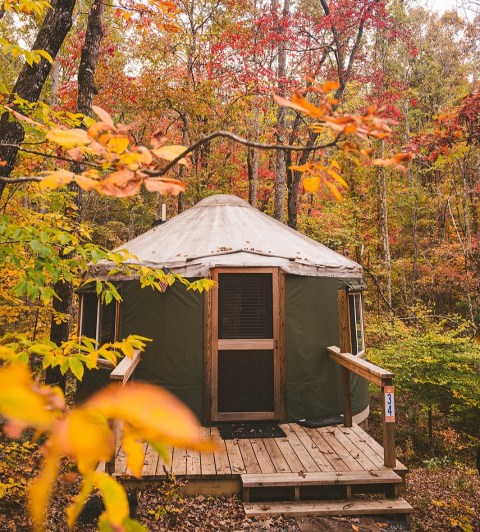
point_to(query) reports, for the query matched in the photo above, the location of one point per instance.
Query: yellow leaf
(134, 451)
(118, 143)
(337, 177)
(169, 153)
(56, 179)
(69, 138)
(41, 489)
(334, 190)
(22, 401)
(301, 168)
(335, 164)
(311, 184)
(166, 419)
(164, 185)
(85, 434)
(114, 497)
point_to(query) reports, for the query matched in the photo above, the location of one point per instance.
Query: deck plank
(278, 460)
(248, 455)
(193, 463)
(289, 454)
(222, 463)
(179, 462)
(341, 434)
(328, 434)
(362, 441)
(150, 462)
(302, 508)
(329, 454)
(207, 459)
(263, 458)
(235, 457)
(163, 465)
(374, 445)
(312, 447)
(308, 463)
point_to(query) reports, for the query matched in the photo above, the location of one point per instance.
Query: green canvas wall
(313, 380)
(174, 321)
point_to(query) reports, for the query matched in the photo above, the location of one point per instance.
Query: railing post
(345, 347)
(121, 374)
(388, 415)
(347, 398)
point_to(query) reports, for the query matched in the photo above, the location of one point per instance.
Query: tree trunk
(280, 162)
(253, 160)
(86, 90)
(383, 228)
(89, 58)
(31, 79)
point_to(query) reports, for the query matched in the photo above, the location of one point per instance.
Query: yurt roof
(225, 231)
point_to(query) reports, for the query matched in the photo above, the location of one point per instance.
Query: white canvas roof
(225, 231)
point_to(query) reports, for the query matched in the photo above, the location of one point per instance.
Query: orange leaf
(165, 420)
(75, 154)
(104, 116)
(119, 178)
(299, 104)
(164, 185)
(130, 189)
(85, 183)
(330, 86)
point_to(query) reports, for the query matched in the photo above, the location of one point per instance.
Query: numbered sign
(389, 404)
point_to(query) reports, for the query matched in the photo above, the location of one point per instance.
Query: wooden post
(388, 414)
(120, 374)
(345, 347)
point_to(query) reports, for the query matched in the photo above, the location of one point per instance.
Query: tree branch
(49, 155)
(240, 140)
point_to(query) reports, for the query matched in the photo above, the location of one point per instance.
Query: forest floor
(445, 497)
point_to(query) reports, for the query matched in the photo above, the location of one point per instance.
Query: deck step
(345, 507)
(380, 476)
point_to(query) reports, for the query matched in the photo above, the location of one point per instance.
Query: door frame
(213, 343)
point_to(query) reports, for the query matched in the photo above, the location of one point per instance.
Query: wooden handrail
(125, 368)
(360, 366)
(382, 378)
(121, 373)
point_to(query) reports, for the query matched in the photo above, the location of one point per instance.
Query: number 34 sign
(389, 396)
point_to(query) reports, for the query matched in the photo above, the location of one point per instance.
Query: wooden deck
(329, 449)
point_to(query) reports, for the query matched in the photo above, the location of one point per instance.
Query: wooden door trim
(212, 345)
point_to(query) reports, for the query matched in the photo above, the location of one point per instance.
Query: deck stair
(323, 493)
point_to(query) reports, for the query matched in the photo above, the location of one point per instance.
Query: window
(245, 305)
(356, 323)
(98, 320)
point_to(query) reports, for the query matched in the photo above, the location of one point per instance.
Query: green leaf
(76, 367)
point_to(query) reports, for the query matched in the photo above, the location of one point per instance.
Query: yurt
(255, 347)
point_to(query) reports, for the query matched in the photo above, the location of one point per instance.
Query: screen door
(245, 365)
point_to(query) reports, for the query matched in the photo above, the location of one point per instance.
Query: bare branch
(14, 180)
(240, 140)
(49, 155)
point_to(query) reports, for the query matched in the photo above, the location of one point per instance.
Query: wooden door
(243, 345)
